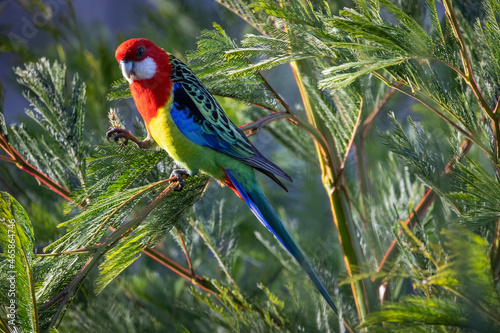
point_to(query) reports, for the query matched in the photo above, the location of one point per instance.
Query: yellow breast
(195, 158)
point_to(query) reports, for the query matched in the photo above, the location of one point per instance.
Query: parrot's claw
(179, 174)
(121, 136)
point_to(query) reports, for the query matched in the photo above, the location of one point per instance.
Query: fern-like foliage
(422, 154)
(212, 62)
(59, 148)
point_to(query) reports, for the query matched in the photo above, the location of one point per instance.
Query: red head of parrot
(147, 69)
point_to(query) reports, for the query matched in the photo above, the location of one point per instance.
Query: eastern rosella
(183, 118)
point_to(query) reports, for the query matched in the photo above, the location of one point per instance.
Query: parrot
(182, 117)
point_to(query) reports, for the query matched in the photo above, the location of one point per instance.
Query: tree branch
(468, 73)
(186, 253)
(22, 164)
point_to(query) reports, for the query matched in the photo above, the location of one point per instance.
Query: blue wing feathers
(262, 209)
(201, 119)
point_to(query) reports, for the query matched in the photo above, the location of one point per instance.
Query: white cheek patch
(133, 70)
(145, 69)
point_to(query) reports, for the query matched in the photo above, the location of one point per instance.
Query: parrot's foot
(179, 174)
(122, 136)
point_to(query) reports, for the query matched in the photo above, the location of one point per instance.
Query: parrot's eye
(140, 51)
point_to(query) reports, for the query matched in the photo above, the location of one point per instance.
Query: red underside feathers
(230, 184)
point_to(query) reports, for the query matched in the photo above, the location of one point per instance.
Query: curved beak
(127, 68)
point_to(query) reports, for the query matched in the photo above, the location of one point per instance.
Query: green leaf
(336, 80)
(214, 66)
(431, 311)
(119, 90)
(18, 243)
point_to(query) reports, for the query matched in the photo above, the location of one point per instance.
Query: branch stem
(186, 253)
(22, 164)
(214, 252)
(468, 73)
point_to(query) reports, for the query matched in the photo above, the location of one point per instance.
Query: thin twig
(468, 73)
(351, 140)
(287, 107)
(267, 119)
(70, 252)
(22, 164)
(186, 253)
(360, 156)
(128, 200)
(7, 159)
(4, 326)
(214, 252)
(370, 120)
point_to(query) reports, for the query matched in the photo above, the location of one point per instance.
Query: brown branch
(267, 119)
(22, 164)
(186, 253)
(351, 140)
(497, 106)
(468, 73)
(411, 221)
(4, 326)
(370, 120)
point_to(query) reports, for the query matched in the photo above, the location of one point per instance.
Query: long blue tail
(258, 204)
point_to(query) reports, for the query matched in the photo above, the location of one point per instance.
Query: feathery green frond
(421, 153)
(433, 311)
(150, 232)
(59, 150)
(477, 196)
(213, 65)
(467, 295)
(119, 90)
